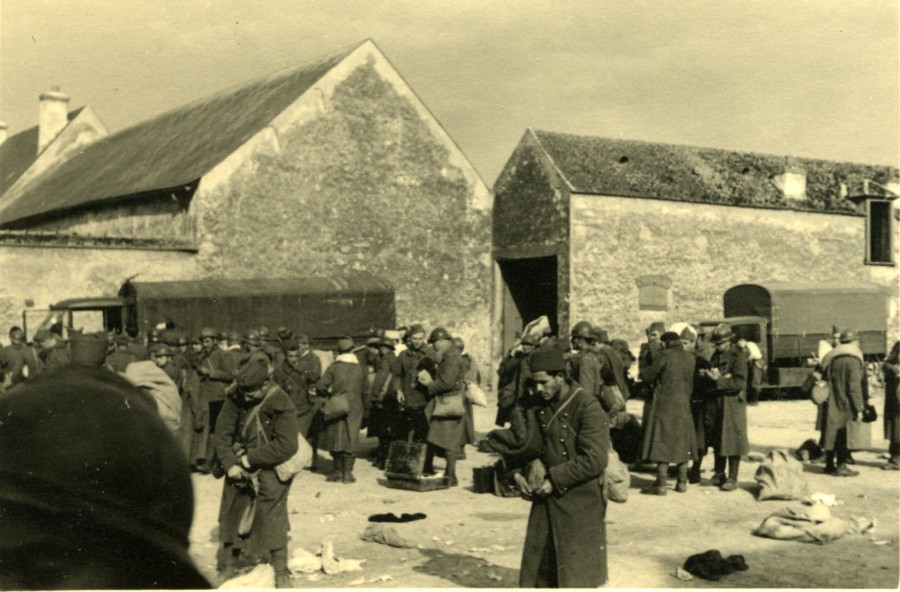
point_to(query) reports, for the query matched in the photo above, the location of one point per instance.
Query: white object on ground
(681, 574)
(825, 498)
(262, 576)
(302, 561)
(333, 565)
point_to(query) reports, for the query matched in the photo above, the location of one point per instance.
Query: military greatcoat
(845, 373)
(448, 433)
(345, 375)
(669, 433)
(729, 428)
(565, 544)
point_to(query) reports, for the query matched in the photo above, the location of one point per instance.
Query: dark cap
(284, 333)
(550, 360)
(345, 344)
(671, 338)
(108, 505)
(160, 349)
(657, 327)
(438, 334)
(206, 332)
(122, 339)
(386, 342)
(88, 349)
(252, 372)
(417, 328)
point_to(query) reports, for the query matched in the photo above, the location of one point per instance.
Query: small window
(653, 292)
(879, 232)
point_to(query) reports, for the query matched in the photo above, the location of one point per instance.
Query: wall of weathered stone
(704, 249)
(46, 275)
(355, 181)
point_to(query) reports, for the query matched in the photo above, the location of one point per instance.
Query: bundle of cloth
(813, 523)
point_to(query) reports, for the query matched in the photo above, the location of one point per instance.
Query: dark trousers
(414, 425)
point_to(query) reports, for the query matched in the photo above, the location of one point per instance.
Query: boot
(278, 559)
(450, 472)
(228, 567)
(719, 477)
(694, 474)
(830, 468)
(734, 464)
(347, 469)
(314, 465)
(845, 471)
(682, 483)
(659, 486)
(337, 472)
(428, 468)
(848, 458)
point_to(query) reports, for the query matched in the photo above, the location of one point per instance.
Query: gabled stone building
(330, 167)
(623, 232)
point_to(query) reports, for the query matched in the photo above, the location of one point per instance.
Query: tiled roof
(18, 152)
(170, 150)
(632, 168)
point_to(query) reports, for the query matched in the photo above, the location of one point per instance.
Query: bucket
(483, 479)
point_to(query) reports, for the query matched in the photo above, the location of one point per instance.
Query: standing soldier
(727, 377)
(297, 374)
(584, 365)
(339, 436)
(844, 369)
(120, 357)
(53, 351)
(17, 360)
(214, 372)
(669, 433)
(891, 415)
(383, 408)
(513, 377)
(412, 395)
(703, 406)
(256, 431)
(565, 543)
(446, 433)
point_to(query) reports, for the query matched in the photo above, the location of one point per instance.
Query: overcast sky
(808, 78)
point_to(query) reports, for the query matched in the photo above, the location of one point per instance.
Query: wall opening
(879, 232)
(653, 292)
(530, 289)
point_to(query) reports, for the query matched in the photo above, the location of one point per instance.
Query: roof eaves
(553, 162)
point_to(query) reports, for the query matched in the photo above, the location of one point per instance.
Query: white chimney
(53, 116)
(3, 128)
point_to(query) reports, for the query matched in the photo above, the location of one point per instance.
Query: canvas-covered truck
(787, 321)
(325, 308)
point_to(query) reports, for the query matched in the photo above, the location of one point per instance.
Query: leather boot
(734, 464)
(337, 473)
(228, 567)
(682, 483)
(450, 472)
(694, 473)
(278, 559)
(347, 469)
(659, 486)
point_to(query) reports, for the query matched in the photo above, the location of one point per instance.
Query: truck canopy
(325, 308)
(800, 314)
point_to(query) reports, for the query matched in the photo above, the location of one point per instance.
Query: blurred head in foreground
(94, 490)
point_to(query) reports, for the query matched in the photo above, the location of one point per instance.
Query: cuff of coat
(228, 461)
(556, 478)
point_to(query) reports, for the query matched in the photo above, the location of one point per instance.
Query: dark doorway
(530, 290)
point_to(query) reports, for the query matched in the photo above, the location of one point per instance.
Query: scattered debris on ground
(386, 535)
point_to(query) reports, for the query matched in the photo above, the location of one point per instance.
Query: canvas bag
(299, 461)
(336, 407)
(475, 394)
(616, 479)
(449, 406)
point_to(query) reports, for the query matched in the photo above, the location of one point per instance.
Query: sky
(817, 79)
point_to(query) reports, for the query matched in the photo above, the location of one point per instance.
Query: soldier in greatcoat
(446, 434)
(844, 369)
(565, 543)
(584, 364)
(703, 404)
(17, 360)
(297, 374)
(345, 376)
(382, 401)
(412, 395)
(255, 432)
(727, 383)
(513, 376)
(669, 433)
(214, 368)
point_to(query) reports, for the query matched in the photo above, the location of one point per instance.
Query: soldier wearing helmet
(584, 363)
(726, 382)
(214, 369)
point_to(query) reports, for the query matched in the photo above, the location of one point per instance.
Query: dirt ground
(475, 540)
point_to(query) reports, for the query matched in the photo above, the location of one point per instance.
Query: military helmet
(583, 329)
(722, 333)
(437, 334)
(208, 332)
(160, 349)
(848, 335)
(251, 337)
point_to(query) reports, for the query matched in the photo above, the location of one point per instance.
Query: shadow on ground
(467, 571)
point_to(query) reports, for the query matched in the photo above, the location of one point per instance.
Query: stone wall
(45, 275)
(358, 182)
(704, 249)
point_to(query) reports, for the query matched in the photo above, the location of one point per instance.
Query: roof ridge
(714, 149)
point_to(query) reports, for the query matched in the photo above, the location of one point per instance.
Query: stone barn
(335, 166)
(622, 233)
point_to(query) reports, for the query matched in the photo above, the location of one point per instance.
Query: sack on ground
(336, 407)
(616, 479)
(448, 406)
(780, 477)
(475, 394)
